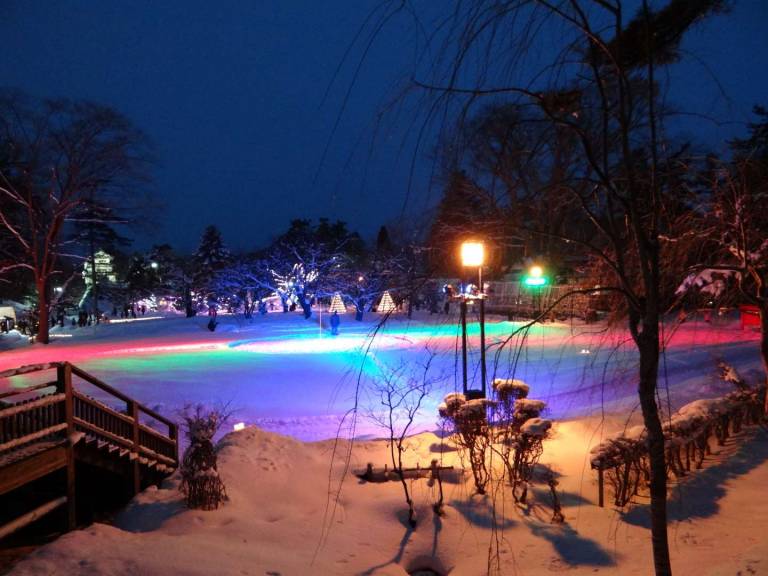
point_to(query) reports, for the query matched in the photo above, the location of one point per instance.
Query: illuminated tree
(58, 157)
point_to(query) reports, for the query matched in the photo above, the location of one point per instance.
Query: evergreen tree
(460, 213)
(383, 243)
(211, 257)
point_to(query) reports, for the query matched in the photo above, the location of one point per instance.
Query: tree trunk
(94, 285)
(42, 318)
(648, 346)
(305, 306)
(764, 346)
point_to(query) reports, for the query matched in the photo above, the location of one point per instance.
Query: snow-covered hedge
(686, 436)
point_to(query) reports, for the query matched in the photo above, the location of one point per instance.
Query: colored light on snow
(472, 253)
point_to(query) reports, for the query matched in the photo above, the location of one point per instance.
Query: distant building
(105, 269)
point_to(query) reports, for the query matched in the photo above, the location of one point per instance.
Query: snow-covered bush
(687, 435)
(200, 479)
(621, 458)
(528, 446)
(468, 420)
(510, 426)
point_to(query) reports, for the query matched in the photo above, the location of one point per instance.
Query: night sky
(231, 95)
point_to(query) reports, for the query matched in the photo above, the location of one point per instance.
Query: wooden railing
(66, 409)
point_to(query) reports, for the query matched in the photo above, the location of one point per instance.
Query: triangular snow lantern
(337, 304)
(386, 304)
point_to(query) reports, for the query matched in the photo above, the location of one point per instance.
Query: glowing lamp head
(153, 265)
(239, 426)
(535, 277)
(472, 254)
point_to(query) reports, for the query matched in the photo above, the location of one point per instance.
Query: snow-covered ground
(289, 375)
(281, 520)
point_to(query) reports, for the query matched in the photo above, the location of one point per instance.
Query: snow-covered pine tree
(211, 257)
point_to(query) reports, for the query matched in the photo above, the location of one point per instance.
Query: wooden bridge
(53, 426)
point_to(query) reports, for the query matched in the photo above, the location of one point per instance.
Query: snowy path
(288, 375)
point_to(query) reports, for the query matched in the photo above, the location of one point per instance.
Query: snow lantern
(386, 304)
(337, 304)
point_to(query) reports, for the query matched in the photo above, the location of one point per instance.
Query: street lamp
(473, 255)
(535, 279)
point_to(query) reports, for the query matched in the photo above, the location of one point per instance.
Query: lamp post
(473, 254)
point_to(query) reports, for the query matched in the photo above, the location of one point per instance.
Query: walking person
(335, 321)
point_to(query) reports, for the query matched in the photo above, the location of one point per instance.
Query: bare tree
(732, 229)
(58, 155)
(402, 392)
(599, 82)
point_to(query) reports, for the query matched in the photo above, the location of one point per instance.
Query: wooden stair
(53, 430)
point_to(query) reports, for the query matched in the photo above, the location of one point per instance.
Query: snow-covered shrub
(528, 449)
(519, 432)
(510, 387)
(526, 408)
(468, 420)
(508, 390)
(687, 436)
(200, 479)
(451, 404)
(620, 458)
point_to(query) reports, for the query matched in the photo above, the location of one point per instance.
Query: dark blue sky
(231, 96)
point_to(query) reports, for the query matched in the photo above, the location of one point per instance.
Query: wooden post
(64, 385)
(600, 486)
(133, 410)
(173, 434)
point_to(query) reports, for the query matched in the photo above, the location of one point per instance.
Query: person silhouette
(335, 321)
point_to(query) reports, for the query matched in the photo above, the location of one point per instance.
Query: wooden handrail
(129, 437)
(114, 392)
(157, 456)
(151, 413)
(57, 420)
(38, 403)
(32, 437)
(103, 407)
(79, 422)
(99, 384)
(27, 368)
(17, 391)
(155, 433)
